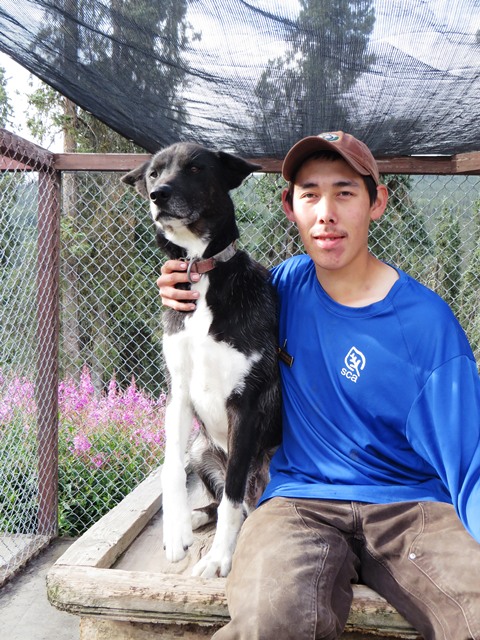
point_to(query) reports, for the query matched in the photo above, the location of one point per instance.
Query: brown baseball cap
(353, 151)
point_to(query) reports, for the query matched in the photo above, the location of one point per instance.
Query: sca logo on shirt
(354, 363)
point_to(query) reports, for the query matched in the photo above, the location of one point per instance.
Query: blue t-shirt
(381, 403)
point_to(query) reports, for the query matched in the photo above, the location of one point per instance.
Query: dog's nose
(161, 193)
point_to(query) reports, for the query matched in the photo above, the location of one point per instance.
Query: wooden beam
(99, 161)
(48, 331)
(402, 164)
(418, 165)
(110, 536)
(437, 165)
(467, 163)
(23, 154)
(140, 597)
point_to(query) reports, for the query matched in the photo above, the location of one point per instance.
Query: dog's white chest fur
(205, 370)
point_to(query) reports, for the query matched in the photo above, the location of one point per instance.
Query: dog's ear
(236, 169)
(136, 178)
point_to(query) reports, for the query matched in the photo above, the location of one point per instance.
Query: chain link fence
(109, 388)
(29, 252)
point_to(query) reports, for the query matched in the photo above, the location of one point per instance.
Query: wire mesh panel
(112, 389)
(28, 352)
(431, 230)
(111, 383)
(110, 349)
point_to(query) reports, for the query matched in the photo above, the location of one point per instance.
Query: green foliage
(448, 258)
(91, 483)
(9, 240)
(469, 294)
(17, 254)
(46, 114)
(6, 110)
(51, 114)
(265, 232)
(18, 497)
(400, 236)
(110, 247)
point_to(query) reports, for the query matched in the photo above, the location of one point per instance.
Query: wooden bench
(116, 578)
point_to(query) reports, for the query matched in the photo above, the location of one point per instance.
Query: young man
(378, 476)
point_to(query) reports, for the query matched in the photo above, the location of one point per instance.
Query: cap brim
(307, 147)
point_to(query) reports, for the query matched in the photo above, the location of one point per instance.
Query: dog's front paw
(177, 538)
(213, 565)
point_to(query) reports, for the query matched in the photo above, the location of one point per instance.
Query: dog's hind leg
(204, 515)
(209, 463)
(218, 561)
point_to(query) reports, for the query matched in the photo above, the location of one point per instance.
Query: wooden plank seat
(116, 578)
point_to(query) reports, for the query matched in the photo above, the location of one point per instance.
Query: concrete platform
(25, 612)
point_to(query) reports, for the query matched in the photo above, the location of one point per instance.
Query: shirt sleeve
(444, 428)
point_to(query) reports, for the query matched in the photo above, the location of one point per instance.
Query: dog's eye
(153, 174)
(194, 169)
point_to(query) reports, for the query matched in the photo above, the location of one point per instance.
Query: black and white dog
(221, 358)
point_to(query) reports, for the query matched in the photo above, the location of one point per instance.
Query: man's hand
(175, 272)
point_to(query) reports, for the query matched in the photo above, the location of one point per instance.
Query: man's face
(331, 209)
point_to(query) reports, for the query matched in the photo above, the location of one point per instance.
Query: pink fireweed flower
(112, 391)
(86, 386)
(6, 413)
(17, 398)
(86, 391)
(73, 400)
(91, 421)
(81, 444)
(98, 460)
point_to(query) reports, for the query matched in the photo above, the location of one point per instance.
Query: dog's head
(188, 189)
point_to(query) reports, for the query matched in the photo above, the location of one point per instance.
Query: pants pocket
(449, 558)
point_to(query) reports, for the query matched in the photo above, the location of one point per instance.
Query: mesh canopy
(254, 77)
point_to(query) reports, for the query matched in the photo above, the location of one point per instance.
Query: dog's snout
(161, 193)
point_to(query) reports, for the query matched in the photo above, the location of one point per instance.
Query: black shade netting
(254, 77)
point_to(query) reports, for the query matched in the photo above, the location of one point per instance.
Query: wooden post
(48, 322)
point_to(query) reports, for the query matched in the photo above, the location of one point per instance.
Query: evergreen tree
(400, 236)
(7, 237)
(104, 319)
(17, 247)
(291, 89)
(265, 231)
(469, 296)
(150, 64)
(448, 258)
(6, 109)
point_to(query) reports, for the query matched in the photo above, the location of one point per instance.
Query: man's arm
(174, 272)
(444, 428)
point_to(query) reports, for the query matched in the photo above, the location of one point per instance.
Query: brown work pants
(296, 560)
